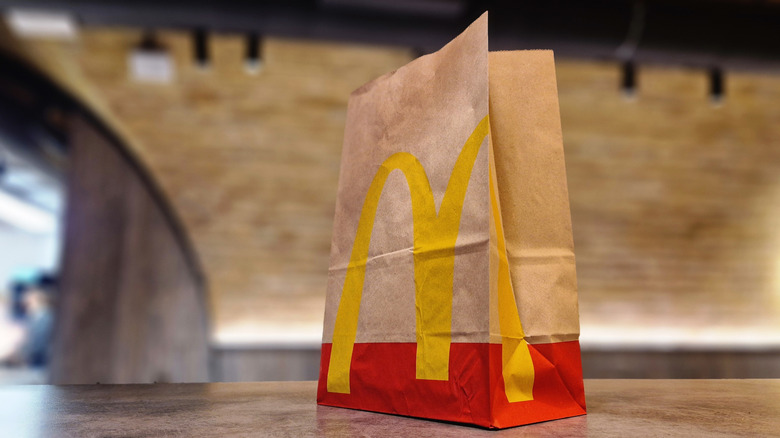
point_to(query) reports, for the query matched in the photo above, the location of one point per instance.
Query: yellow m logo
(435, 235)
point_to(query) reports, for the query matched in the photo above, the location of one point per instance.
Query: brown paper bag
(452, 286)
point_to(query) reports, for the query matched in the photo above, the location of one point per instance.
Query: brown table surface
(620, 408)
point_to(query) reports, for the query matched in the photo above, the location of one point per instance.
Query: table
(620, 408)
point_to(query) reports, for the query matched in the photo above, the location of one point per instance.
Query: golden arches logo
(434, 237)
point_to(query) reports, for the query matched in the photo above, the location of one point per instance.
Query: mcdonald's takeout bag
(452, 290)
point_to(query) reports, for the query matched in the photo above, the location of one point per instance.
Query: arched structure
(132, 305)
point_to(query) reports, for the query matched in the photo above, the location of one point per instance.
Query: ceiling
(729, 34)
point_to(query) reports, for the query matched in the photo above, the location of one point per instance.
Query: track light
(254, 55)
(717, 86)
(200, 44)
(31, 23)
(628, 81)
(150, 62)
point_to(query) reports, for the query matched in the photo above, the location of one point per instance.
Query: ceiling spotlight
(717, 86)
(150, 62)
(200, 44)
(628, 81)
(30, 23)
(254, 54)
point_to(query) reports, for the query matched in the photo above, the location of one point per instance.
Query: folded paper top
(428, 109)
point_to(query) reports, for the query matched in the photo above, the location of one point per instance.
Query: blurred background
(168, 176)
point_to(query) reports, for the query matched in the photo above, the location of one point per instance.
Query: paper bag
(452, 287)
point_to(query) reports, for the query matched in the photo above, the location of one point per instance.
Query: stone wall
(675, 202)
(250, 161)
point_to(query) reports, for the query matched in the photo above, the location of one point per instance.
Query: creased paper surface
(451, 288)
(427, 109)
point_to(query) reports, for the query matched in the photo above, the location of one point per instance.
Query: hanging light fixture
(628, 82)
(254, 54)
(31, 23)
(150, 62)
(627, 50)
(200, 45)
(717, 86)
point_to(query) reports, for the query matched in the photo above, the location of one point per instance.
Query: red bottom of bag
(382, 379)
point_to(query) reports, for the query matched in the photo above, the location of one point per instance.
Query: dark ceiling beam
(734, 35)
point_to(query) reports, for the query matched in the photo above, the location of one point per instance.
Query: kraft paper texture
(532, 189)
(452, 287)
(429, 108)
(452, 222)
